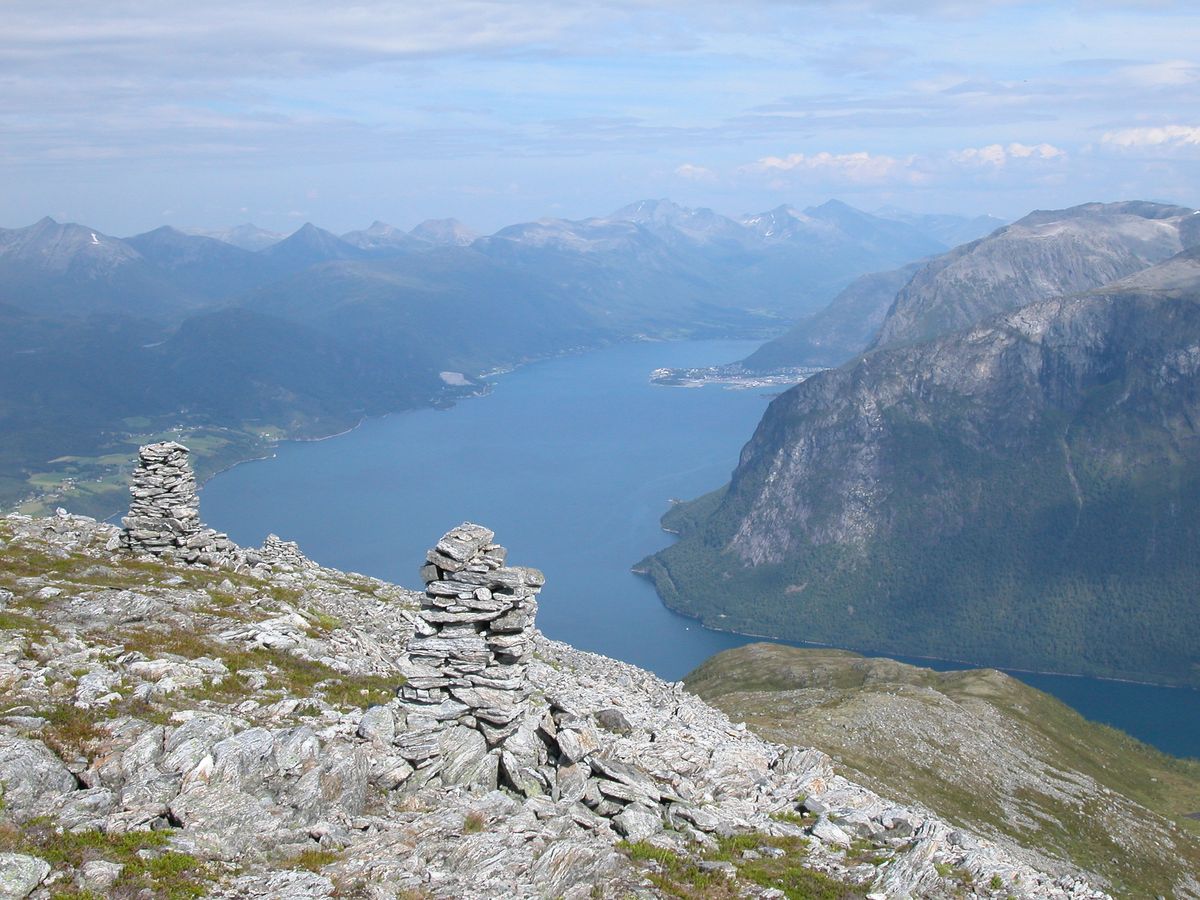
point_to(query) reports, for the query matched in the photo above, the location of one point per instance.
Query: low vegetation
(691, 878)
(149, 870)
(981, 749)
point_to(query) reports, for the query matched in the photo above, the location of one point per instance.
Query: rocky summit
(248, 723)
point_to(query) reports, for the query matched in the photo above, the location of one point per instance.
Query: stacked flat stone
(466, 665)
(165, 510)
(164, 513)
(283, 556)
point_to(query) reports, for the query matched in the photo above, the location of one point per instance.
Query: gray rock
(571, 782)
(98, 875)
(637, 822)
(465, 758)
(34, 779)
(639, 785)
(20, 874)
(830, 833)
(567, 864)
(245, 759)
(612, 719)
(577, 742)
(814, 806)
(193, 740)
(378, 724)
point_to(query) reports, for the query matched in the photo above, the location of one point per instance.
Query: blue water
(572, 461)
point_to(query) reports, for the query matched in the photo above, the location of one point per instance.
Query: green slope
(981, 749)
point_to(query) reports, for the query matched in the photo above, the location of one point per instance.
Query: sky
(131, 115)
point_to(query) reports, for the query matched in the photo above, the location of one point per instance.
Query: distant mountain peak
(309, 244)
(247, 236)
(446, 231)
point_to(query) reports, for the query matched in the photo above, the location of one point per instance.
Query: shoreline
(966, 663)
(484, 389)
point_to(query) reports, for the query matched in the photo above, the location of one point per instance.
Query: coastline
(644, 572)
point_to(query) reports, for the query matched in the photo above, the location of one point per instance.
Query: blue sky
(129, 115)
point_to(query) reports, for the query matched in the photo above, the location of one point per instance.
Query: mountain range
(1043, 254)
(241, 336)
(1023, 491)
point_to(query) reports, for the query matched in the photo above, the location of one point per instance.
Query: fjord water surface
(572, 461)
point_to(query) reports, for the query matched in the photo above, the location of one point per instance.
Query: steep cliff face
(841, 330)
(1045, 254)
(1024, 492)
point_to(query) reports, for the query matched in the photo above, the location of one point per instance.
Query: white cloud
(856, 167)
(1167, 73)
(999, 154)
(695, 173)
(1154, 136)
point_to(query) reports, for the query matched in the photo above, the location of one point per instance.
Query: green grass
(287, 674)
(72, 732)
(680, 876)
(312, 860)
(150, 869)
(806, 697)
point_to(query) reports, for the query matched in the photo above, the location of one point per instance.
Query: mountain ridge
(871, 508)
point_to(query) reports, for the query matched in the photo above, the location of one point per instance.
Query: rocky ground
(233, 730)
(982, 749)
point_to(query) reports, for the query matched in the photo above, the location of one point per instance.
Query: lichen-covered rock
(34, 779)
(20, 875)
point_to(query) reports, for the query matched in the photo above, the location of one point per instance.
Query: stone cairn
(164, 514)
(467, 660)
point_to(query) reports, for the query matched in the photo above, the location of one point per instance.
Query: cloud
(1164, 136)
(1167, 73)
(1000, 155)
(855, 167)
(695, 173)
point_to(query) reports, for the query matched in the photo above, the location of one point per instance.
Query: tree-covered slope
(1023, 493)
(841, 330)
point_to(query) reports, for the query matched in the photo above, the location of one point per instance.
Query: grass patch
(678, 876)
(312, 860)
(322, 623)
(10, 621)
(72, 732)
(150, 870)
(286, 673)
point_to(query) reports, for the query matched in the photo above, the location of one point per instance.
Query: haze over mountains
(249, 336)
(1023, 491)
(1042, 254)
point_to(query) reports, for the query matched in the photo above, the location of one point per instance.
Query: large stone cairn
(164, 514)
(467, 660)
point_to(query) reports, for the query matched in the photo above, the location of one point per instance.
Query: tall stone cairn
(164, 513)
(467, 660)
